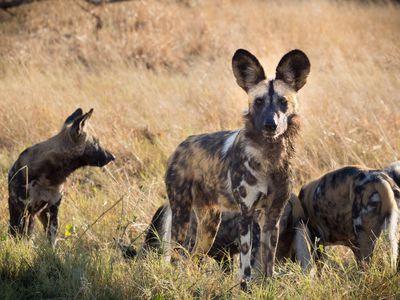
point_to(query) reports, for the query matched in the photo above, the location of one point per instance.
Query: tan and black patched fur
(351, 206)
(35, 181)
(244, 170)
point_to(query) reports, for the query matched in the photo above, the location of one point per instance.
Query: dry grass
(157, 71)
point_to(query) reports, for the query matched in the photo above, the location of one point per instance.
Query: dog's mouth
(271, 135)
(275, 134)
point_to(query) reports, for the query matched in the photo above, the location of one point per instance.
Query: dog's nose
(270, 126)
(110, 156)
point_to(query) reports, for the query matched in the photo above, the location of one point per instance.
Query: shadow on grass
(38, 272)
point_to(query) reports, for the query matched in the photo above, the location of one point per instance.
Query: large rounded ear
(77, 113)
(293, 69)
(247, 69)
(78, 126)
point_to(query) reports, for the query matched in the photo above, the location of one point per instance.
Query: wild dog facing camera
(272, 104)
(243, 171)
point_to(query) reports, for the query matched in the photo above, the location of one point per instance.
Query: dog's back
(393, 170)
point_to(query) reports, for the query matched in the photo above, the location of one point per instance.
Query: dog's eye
(259, 101)
(283, 101)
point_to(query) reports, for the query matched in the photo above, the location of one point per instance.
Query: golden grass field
(156, 72)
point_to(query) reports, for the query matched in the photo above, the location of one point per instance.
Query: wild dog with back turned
(351, 206)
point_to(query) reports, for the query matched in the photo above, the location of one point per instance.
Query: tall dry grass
(157, 71)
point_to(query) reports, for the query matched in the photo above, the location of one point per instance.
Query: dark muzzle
(270, 126)
(105, 158)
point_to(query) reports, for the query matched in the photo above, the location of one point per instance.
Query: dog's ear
(293, 69)
(77, 113)
(247, 69)
(78, 126)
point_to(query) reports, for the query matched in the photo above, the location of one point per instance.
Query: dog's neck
(58, 169)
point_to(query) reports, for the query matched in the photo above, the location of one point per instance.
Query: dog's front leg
(17, 220)
(269, 224)
(246, 232)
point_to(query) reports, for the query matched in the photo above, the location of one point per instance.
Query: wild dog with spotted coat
(350, 207)
(35, 181)
(243, 170)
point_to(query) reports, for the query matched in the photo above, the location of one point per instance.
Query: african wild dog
(243, 170)
(291, 244)
(35, 181)
(351, 206)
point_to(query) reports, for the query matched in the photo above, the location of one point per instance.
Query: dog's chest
(249, 187)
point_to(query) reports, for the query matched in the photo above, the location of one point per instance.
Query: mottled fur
(244, 170)
(393, 170)
(35, 181)
(351, 206)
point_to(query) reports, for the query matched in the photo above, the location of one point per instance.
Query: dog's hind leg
(367, 232)
(208, 220)
(302, 246)
(44, 219)
(31, 224)
(53, 223)
(181, 207)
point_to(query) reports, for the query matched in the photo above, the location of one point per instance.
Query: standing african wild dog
(35, 181)
(351, 206)
(245, 170)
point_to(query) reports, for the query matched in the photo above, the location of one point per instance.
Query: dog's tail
(156, 230)
(390, 214)
(154, 236)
